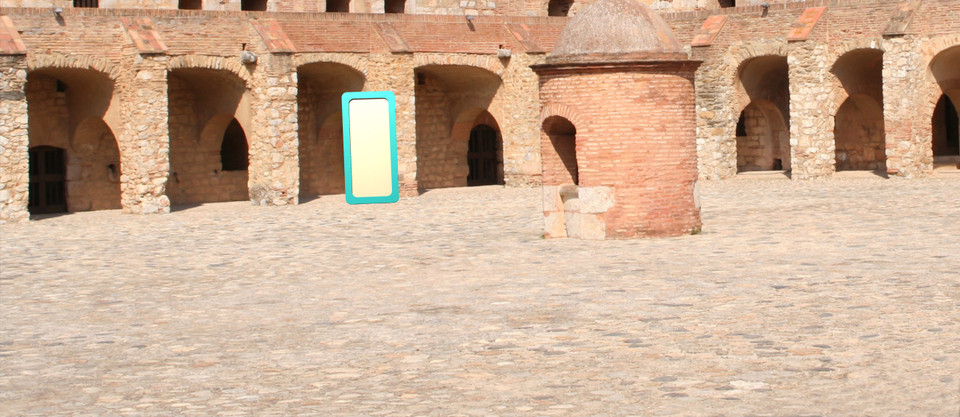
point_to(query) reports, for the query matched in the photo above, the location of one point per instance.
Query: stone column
(908, 137)
(14, 140)
(394, 72)
(144, 139)
(812, 148)
(521, 132)
(716, 120)
(274, 170)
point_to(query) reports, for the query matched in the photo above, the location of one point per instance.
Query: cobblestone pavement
(837, 298)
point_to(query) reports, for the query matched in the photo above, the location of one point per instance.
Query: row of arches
(75, 162)
(762, 132)
(332, 6)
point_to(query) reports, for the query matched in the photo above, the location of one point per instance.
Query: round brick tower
(618, 136)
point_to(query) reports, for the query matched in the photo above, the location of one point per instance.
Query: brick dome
(614, 30)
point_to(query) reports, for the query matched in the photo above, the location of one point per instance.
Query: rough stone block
(592, 227)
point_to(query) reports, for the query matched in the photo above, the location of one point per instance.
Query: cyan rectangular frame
(370, 147)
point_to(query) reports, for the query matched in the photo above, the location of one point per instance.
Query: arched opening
(483, 156)
(559, 7)
(320, 86)
(560, 158)
(95, 172)
(450, 101)
(727, 3)
(74, 155)
(190, 4)
(209, 115)
(86, 3)
(338, 6)
(945, 68)
(946, 132)
(48, 180)
(394, 6)
(233, 149)
(764, 144)
(763, 126)
(561, 179)
(253, 5)
(858, 131)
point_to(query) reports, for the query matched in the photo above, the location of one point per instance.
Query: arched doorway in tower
(560, 157)
(74, 157)
(763, 126)
(558, 149)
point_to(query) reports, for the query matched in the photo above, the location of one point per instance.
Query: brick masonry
(635, 153)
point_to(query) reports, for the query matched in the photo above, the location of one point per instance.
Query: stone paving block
(834, 297)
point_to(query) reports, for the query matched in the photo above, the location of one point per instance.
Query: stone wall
(816, 92)
(14, 140)
(144, 138)
(386, 52)
(274, 159)
(447, 7)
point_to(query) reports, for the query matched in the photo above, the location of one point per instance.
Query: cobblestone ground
(835, 298)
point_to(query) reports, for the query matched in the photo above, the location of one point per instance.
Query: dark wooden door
(482, 156)
(48, 180)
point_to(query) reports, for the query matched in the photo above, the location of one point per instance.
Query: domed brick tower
(618, 138)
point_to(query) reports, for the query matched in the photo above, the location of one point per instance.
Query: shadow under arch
(203, 104)
(559, 159)
(763, 138)
(859, 135)
(320, 87)
(762, 133)
(945, 117)
(450, 99)
(71, 114)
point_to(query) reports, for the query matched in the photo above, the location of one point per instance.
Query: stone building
(140, 104)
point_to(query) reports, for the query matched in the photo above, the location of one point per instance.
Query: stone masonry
(143, 52)
(14, 140)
